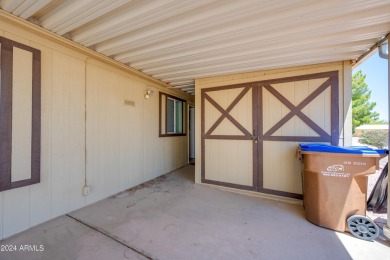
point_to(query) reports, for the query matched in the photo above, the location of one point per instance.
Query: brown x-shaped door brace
(225, 114)
(294, 111)
(297, 111)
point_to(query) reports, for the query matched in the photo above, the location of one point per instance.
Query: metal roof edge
(84, 50)
(369, 52)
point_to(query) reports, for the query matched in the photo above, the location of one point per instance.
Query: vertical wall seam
(70, 137)
(51, 134)
(98, 131)
(85, 122)
(85, 127)
(143, 138)
(32, 87)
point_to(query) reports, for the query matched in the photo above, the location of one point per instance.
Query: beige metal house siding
(231, 161)
(87, 132)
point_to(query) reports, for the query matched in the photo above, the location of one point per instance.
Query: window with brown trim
(20, 115)
(172, 116)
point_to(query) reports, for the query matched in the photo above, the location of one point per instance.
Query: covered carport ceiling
(177, 41)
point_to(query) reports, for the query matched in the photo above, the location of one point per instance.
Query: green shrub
(375, 138)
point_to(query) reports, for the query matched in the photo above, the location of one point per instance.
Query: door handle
(255, 139)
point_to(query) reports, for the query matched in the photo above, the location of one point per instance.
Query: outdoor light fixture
(384, 51)
(148, 93)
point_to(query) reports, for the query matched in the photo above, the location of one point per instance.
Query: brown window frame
(6, 85)
(164, 132)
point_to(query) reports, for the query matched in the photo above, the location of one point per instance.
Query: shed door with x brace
(250, 131)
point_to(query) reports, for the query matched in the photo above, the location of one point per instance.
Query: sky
(376, 71)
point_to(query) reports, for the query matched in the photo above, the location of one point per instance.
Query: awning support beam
(386, 229)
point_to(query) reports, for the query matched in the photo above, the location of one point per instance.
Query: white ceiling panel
(177, 41)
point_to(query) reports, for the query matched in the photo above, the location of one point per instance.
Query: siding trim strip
(259, 147)
(202, 134)
(335, 135)
(6, 115)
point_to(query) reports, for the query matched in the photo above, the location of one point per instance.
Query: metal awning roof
(177, 41)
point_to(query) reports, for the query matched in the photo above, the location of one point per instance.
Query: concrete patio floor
(173, 218)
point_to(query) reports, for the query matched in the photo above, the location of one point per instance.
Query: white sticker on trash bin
(355, 163)
(336, 170)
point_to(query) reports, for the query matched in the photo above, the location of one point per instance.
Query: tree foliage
(375, 138)
(362, 108)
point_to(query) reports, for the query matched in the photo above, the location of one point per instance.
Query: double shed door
(250, 131)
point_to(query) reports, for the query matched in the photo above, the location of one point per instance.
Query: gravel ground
(379, 219)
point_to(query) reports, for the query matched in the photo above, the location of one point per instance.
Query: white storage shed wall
(88, 135)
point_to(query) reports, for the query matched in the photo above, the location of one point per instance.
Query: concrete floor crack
(138, 251)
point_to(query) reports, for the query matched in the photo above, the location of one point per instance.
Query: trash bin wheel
(362, 227)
